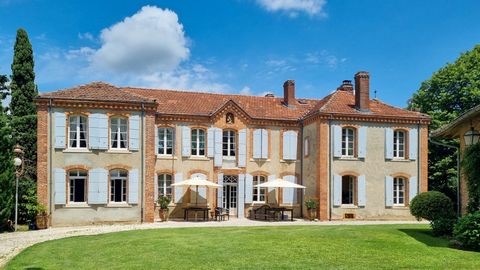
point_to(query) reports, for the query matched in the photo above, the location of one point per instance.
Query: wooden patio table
(196, 210)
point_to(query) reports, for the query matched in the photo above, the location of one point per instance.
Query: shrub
(467, 231)
(311, 204)
(432, 205)
(443, 226)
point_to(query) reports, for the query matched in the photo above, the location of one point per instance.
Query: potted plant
(311, 205)
(42, 217)
(163, 202)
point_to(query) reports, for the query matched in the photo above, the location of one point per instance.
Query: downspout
(50, 168)
(330, 161)
(301, 166)
(143, 164)
(418, 158)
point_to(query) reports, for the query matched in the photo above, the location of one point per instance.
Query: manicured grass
(295, 247)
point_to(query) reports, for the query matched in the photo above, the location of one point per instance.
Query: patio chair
(221, 213)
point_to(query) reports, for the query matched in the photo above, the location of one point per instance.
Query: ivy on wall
(471, 169)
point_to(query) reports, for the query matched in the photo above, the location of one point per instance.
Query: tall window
(258, 192)
(348, 142)
(165, 141)
(165, 185)
(399, 144)
(118, 185)
(77, 181)
(118, 133)
(198, 142)
(398, 191)
(348, 189)
(228, 143)
(77, 131)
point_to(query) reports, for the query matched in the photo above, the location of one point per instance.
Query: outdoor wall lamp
(471, 137)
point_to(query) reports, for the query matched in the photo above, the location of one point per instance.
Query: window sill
(79, 150)
(112, 151)
(118, 205)
(348, 206)
(400, 207)
(288, 160)
(400, 160)
(77, 205)
(199, 158)
(229, 158)
(167, 157)
(260, 159)
(348, 158)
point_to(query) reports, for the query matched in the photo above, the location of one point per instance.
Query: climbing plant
(471, 169)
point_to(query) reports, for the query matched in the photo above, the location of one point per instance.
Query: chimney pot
(346, 86)
(289, 93)
(362, 91)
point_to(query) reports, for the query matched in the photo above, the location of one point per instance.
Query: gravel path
(12, 243)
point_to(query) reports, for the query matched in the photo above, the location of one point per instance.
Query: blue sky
(241, 46)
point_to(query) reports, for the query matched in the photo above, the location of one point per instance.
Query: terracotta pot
(42, 221)
(163, 213)
(312, 213)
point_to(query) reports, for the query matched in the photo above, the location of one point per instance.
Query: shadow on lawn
(426, 237)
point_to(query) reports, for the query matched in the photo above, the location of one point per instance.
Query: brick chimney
(289, 93)
(346, 86)
(362, 91)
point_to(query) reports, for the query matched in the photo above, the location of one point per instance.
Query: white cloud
(246, 91)
(294, 7)
(325, 58)
(86, 36)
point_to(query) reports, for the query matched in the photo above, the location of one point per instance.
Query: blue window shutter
(186, 141)
(413, 143)
(220, 190)
(133, 186)
(156, 141)
(412, 188)
(178, 191)
(388, 143)
(60, 186)
(257, 143)
(102, 131)
(211, 142)
(293, 145)
(337, 141)
(241, 196)
(288, 193)
(362, 142)
(362, 196)
(60, 130)
(92, 187)
(248, 188)
(134, 132)
(98, 186)
(337, 190)
(264, 144)
(271, 178)
(155, 186)
(218, 159)
(286, 146)
(93, 134)
(388, 191)
(242, 148)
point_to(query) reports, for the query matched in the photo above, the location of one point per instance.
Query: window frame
(124, 186)
(346, 141)
(70, 186)
(231, 146)
(164, 186)
(257, 190)
(353, 193)
(165, 141)
(77, 131)
(197, 149)
(397, 190)
(118, 133)
(397, 144)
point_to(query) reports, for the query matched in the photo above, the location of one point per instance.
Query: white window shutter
(412, 188)
(98, 186)
(242, 148)
(388, 143)
(134, 132)
(210, 142)
(60, 185)
(220, 190)
(362, 191)
(271, 178)
(60, 130)
(186, 141)
(286, 145)
(178, 191)
(241, 196)
(218, 159)
(248, 188)
(289, 193)
(337, 190)
(264, 144)
(388, 191)
(337, 141)
(257, 143)
(156, 141)
(293, 145)
(362, 142)
(155, 186)
(413, 143)
(133, 186)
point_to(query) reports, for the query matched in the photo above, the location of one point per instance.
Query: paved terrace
(12, 243)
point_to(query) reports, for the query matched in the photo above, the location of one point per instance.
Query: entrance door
(230, 183)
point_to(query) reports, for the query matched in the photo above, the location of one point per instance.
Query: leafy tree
(450, 91)
(24, 119)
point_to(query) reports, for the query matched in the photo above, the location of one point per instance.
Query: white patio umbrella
(197, 182)
(279, 183)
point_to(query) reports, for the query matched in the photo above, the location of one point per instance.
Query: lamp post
(18, 162)
(471, 137)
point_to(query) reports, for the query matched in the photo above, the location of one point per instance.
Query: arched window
(118, 185)
(348, 189)
(118, 132)
(229, 143)
(77, 186)
(348, 142)
(164, 185)
(399, 139)
(165, 141)
(259, 193)
(198, 142)
(399, 184)
(77, 131)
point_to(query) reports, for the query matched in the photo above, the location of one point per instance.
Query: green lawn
(295, 247)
